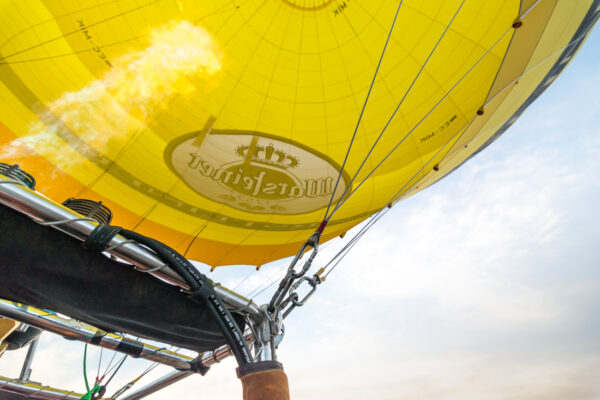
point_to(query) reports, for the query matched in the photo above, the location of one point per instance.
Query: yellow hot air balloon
(231, 129)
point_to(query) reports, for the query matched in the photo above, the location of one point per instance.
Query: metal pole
(35, 391)
(22, 199)
(209, 358)
(72, 329)
(160, 383)
(26, 370)
(41, 209)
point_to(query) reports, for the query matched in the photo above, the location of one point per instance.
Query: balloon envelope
(222, 127)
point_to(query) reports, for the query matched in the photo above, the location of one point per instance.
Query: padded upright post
(264, 380)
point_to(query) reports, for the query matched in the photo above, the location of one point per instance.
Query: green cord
(87, 386)
(96, 388)
(89, 394)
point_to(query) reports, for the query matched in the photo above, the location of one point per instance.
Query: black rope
(202, 292)
(202, 289)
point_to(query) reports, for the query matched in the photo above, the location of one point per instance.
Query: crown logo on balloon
(268, 155)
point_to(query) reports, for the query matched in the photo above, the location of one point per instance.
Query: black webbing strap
(130, 347)
(100, 237)
(98, 335)
(198, 367)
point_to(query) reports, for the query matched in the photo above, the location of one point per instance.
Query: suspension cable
(292, 281)
(116, 369)
(99, 363)
(319, 277)
(343, 200)
(414, 128)
(397, 108)
(382, 211)
(363, 109)
(106, 371)
(535, 66)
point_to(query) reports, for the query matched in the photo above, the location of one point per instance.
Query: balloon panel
(222, 127)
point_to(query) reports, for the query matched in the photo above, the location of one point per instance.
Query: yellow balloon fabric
(221, 127)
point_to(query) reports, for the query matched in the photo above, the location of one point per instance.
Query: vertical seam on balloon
(178, 180)
(268, 217)
(348, 80)
(77, 30)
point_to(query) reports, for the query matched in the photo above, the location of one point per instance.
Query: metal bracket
(312, 281)
(268, 332)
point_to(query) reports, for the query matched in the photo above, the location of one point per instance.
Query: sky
(484, 286)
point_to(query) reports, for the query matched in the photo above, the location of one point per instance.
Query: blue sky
(484, 286)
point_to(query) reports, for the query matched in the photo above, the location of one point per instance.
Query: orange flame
(108, 111)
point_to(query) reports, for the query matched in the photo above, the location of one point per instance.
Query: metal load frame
(76, 330)
(33, 390)
(17, 196)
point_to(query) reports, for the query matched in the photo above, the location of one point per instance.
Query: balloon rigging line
(116, 370)
(346, 249)
(278, 276)
(397, 107)
(351, 243)
(144, 373)
(362, 111)
(343, 200)
(342, 253)
(382, 211)
(99, 363)
(154, 365)
(274, 278)
(106, 371)
(340, 203)
(529, 9)
(243, 280)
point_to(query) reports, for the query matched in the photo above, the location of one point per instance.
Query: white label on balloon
(255, 172)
